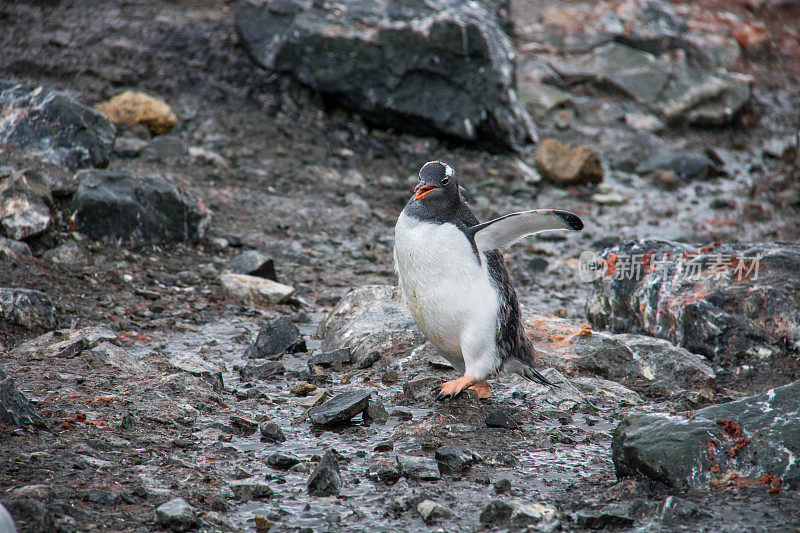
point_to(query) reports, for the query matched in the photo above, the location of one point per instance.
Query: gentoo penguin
(456, 283)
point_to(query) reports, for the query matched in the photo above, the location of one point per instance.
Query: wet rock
(250, 490)
(177, 515)
(326, 480)
(24, 200)
(328, 359)
(254, 291)
(756, 438)
(133, 108)
(314, 400)
(27, 308)
(15, 408)
(282, 461)
(69, 253)
(677, 511)
(421, 468)
(499, 419)
(376, 411)
(687, 164)
(49, 123)
(111, 205)
(502, 485)
(369, 320)
(263, 371)
(252, 263)
(340, 409)
(11, 249)
(732, 302)
(566, 164)
(454, 458)
(396, 57)
(610, 516)
(432, 512)
(598, 390)
(499, 513)
(272, 432)
(424, 389)
(278, 336)
(383, 471)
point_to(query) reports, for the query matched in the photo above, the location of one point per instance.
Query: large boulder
(734, 302)
(443, 67)
(112, 205)
(27, 308)
(747, 442)
(51, 124)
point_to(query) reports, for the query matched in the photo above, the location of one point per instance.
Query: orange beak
(423, 191)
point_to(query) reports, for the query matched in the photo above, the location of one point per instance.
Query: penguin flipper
(504, 231)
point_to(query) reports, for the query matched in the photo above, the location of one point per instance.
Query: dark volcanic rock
(376, 411)
(53, 125)
(27, 308)
(423, 468)
(499, 419)
(277, 337)
(253, 263)
(445, 68)
(756, 438)
(454, 458)
(326, 480)
(326, 359)
(386, 472)
(271, 432)
(267, 370)
(339, 409)
(687, 164)
(250, 490)
(112, 205)
(15, 408)
(737, 302)
(282, 461)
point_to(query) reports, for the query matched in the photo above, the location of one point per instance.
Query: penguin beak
(423, 191)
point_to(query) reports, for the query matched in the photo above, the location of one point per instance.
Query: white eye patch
(448, 170)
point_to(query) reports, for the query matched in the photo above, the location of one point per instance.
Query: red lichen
(611, 262)
(773, 482)
(730, 427)
(738, 445)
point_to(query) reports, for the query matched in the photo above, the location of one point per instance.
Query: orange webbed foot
(482, 389)
(451, 389)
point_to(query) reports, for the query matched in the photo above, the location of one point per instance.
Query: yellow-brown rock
(567, 164)
(139, 108)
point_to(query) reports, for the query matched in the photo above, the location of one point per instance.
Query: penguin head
(437, 183)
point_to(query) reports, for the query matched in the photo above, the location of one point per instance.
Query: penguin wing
(504, 231)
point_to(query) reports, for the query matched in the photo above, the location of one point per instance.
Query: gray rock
(165, 147)
(499, 513)
(677, 511)
(15, 408)
(53, 125)
(277, 337)
(326, 480)
(688, 164)
(65, 343)
(177, 515)
(610, 516)
(499, 419)
(432, 512)
(731, 302)
(111, 205)
(424, 389)
(271, 432)
(386, 472)
(27, 308)
(376, 411)
(253, 290)
(454, 458)
(542, 97)
(69, 253)
(368, 320)
(652, 26)
(250, 490)
(340, 409)
(282, 461)
(754, 437)
(445, 68)
(327, 359)
(421, 468)
(267, 370)
(253, 263)
(11, 249)
(24, 200)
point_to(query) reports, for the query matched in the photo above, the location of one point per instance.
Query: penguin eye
(445, 181)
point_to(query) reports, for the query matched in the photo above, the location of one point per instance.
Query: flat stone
(177, 515)
(328, 359)
(340, 409)
(756, 438)
(253, 263)
(271, 432)
(454, 458)
(432, 512)
(566, 164)
(499, 419)
(250, 490)
(112, 205)
(282, 461)
(376, 411)
(69, 253)
(326, 480)
(27, 308)
(499, 513)
(421, 468)
(278, 336)
(687, 164)
(255, 291)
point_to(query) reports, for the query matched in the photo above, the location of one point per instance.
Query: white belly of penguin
(448, 291)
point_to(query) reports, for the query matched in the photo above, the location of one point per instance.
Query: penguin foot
(451, 389)
(482, 389)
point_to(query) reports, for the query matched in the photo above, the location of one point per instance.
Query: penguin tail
(524, 369)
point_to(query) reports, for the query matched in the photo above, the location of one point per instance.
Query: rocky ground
(171, 390)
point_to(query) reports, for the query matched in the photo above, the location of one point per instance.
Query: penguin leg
(451, 389)
(482, 389)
